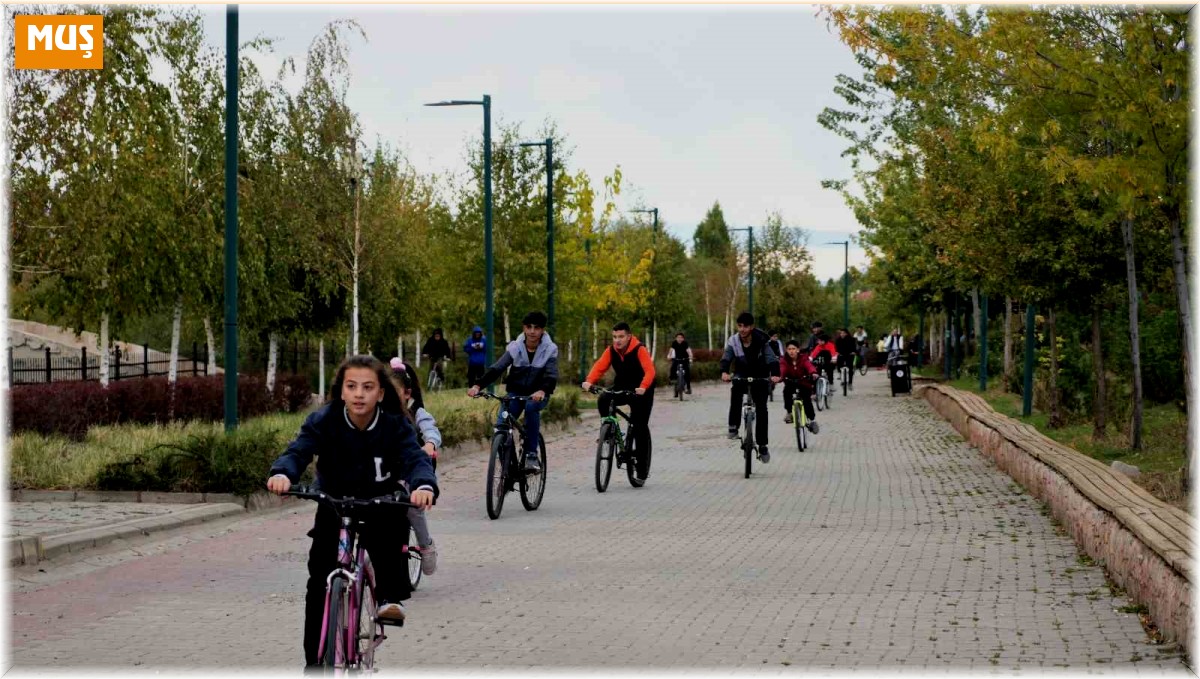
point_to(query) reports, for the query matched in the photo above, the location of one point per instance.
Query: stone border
(1144, 544)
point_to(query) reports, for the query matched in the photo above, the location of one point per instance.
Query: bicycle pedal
(389, 623)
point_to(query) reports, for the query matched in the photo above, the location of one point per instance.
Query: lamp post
(549, 144)
(231, 216)
(750, 251)
(486, 103)
(654, 245)
(845, 283)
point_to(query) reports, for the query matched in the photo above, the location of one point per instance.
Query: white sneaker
(429, 555)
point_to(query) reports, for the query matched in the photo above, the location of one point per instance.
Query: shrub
(70, 408)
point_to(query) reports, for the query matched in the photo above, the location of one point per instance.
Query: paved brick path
(889, 543)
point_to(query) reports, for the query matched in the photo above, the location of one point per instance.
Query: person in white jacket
(894, 344)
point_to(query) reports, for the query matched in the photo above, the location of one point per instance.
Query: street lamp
(845, 283)
(486, 103)
(654, 319)
(231, 217)
(750, 230)
(549, 144)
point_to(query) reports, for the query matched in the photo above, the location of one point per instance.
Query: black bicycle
(845, 371)
(506, 469)
(680, 380)
(749, 415)
(621, 447)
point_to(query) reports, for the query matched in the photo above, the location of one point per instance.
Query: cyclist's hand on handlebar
(586, 386)
(725, 377)
(431, 450)
(421, 498)
(473, 391)
(279, 484)
(639, 391)
(776, 380)
(538, 395)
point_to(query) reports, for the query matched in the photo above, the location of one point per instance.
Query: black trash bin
(900, 374)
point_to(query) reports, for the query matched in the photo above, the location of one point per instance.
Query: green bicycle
(614, 444)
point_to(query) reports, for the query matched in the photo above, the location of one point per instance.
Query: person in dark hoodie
(634, 371)
(365, 446)
(476, 350)
(438, 350)
(748, 354)
(532, 363)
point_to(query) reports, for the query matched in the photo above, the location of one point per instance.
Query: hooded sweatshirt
(527, 375)
(756, 360)
(476, 349)
(633, 367)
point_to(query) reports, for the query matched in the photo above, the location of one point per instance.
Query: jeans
(533, 419)
(758, 394)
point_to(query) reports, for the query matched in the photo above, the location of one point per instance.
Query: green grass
(55, 462)
(1163, 435)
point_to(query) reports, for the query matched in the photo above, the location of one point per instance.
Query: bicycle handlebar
(749, 379)
(506, 397)
(308, 493)
(601, 390)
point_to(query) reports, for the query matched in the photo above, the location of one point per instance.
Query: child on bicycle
(430, 439)
(532, 363)
(633, 370)
(681, 354)
(365, 446)
(847, 349)
(797, 366)
(823, 355)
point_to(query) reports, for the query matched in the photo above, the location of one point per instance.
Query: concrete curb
(29, 550)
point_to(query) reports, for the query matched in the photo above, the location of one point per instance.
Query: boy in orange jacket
(634, 369)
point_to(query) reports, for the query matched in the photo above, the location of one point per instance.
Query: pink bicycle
(349, 627)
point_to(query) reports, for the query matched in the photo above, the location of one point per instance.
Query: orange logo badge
(59, 41)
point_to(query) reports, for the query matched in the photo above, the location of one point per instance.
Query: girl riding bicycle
(365, 446)
(430, 438)
(797, 366)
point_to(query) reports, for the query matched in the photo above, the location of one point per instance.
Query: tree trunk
(1184, 302)
(1135, 427)
(1100, 401)
(272, 352)
(176, 319)
(103, 349)
(976, 320)
(1008, 343)
(595, 338)
(417, 349)
(400, 346)
(708, 313)
(507, 331)
(321, 369)
(570, 348)
(211, 368)
(1056, 418)
(654, 340)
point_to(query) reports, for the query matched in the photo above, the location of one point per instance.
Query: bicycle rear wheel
(862, 365)
(637, 468)
(497, 480)
(413, 549)
(533, 486)
(368, 626)
(606, 449)
(748, 442)
(334, 652)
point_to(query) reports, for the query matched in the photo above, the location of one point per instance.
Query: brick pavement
(890, 543)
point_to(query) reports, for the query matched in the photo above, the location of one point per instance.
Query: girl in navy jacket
(364, 445)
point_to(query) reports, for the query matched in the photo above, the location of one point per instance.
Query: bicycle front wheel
(862, 366)
(497, 479)
(845, 381)
(533, 486)
(367, 628)
(748, 443)
(798, 420)
(334, 652)
(606, 449)
(820, 395)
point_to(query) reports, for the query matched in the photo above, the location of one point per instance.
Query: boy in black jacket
(748, 354)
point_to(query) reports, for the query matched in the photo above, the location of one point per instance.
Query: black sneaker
(763, 454)
(532, 464)
(814, 427)
(732, 433)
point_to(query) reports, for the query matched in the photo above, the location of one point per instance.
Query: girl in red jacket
(796, 366)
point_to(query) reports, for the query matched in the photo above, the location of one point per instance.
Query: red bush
(70, 408)
(707, 355)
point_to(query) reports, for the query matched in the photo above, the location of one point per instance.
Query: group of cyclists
(375, 437)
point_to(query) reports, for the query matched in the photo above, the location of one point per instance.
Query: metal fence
(86, 366)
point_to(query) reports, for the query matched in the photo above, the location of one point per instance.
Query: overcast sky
(696, 104)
